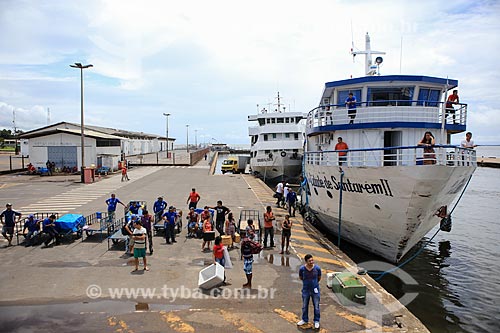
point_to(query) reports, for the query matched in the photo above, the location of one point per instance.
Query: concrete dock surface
(82, 286)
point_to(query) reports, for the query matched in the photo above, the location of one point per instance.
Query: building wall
(39, 151)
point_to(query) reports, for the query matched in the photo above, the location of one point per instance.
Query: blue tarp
(70, 222)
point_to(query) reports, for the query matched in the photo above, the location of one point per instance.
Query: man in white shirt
(285, 194)
(468, 142)
(279, 193)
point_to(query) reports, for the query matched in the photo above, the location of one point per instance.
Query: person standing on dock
(350, 102)
(147, 223)
(291, 200)
(222, 211)
(310, 275)
(268, 226)
(286, 232)
(10, 222)
(279, 194)
(193, 198)
(112, 202)
(170, 219)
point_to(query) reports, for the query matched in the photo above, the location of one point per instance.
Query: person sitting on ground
(230, 228)
(31, 169)
(31, 229)
(139, 237)
(192, 218)
(49, 228)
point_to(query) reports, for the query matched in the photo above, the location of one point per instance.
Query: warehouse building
(61, 143)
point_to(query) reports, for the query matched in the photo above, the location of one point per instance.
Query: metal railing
(447, 155)
(388, 111)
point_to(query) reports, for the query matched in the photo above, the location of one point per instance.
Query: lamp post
(81, 67)
(166, 116)
(196, 138)
(187, 138)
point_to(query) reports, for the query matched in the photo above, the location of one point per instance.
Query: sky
(210, 63)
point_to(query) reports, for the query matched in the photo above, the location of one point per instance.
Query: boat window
(400, 96)
(267, 151)
(274, 135)
(268, 120)
(280, 121)
(428, 97)
(261, 121)
(265, 137)
(273, 120)
(287, 135)
(296, 136)
(287, 120)
(343, 94)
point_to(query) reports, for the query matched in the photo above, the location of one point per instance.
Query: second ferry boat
(277, 142)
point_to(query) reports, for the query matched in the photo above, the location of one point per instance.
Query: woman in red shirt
(218, 254)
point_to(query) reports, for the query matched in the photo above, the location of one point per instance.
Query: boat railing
(388, 111)
(447, 155)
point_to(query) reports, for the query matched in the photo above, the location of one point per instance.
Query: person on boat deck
(452, 99)
(428, 143)
(350, 102)
(341, 145)
(467, 143)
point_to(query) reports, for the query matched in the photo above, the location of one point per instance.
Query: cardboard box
(237, 238)
(227, 240)
(348, 288)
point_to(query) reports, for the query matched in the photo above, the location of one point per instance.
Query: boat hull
(385, 210)
(281, 168)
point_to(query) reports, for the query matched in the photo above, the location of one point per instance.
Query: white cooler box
(211, 276)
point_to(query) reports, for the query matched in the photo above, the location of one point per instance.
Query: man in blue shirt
(158, 208)
(170, 218)
(350, 102)
(49, 227)
(10, 222)
(134, 208)
(32, 226)
(310, 275)
(112, 202)
(291, 199)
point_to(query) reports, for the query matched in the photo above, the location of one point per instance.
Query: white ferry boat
(277, 142)
(385, 191)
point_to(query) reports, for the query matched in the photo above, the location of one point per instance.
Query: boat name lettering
(264, 159)
(379, 188)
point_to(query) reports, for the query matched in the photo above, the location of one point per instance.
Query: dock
(95, 290)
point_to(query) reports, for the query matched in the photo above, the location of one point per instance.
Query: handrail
(448, 155)
(390, 111)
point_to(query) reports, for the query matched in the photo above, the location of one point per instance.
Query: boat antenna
(352, 44)
(401, 54)
(370, 69)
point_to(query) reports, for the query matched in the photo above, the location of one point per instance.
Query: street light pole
(81, 67)
(187, 138)
(166, 116)
(196, 138)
